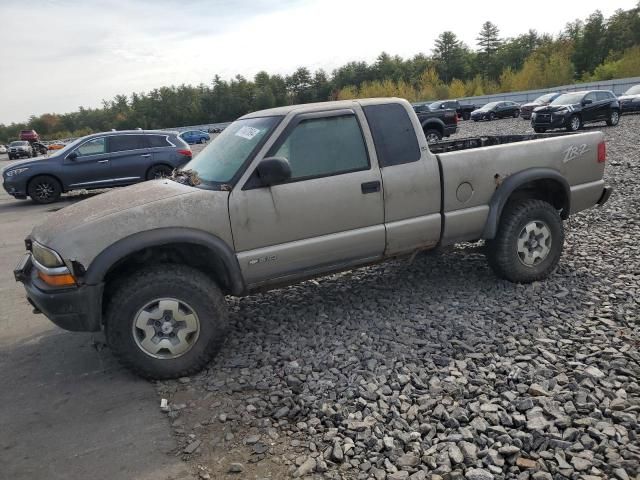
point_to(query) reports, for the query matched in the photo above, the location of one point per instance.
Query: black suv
(573, 110)
(109, 159)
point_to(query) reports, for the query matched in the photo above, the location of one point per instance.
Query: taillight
(185, 152)
(602, 152)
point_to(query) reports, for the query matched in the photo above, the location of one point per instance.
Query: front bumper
(15, 188)
(78, 309)
(554, 121)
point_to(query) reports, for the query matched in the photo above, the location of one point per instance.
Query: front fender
(165, 236)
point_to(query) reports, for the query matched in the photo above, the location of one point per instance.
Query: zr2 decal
(575, 151)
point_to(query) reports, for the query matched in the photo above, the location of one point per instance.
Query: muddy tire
(166, 321)
(44, 189)
(529, 242)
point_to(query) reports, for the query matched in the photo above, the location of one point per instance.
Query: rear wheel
(432, 135)
(529, 242)
(614, 118)
(159, 171)
(44, 189)
(166, 321)
(574, 123)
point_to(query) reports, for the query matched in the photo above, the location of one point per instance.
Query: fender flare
(510, 184)
(164, 236)
(434, 122)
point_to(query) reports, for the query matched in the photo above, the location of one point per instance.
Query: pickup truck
(436, 124)
(292, 193)
(462, 109)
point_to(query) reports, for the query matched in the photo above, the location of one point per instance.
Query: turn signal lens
(64, 280)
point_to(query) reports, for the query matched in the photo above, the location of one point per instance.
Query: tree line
(596, 48)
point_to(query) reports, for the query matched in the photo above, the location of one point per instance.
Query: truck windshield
(219, 162)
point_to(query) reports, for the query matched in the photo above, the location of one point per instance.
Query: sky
(63, 54)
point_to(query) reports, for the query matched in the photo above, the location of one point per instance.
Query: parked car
(215, 130)
(3, 149)
(630, 100)
(494, 110)
(195, 136)
(463, 109)
(109, 159)
(573, 110)
(29, 135)
(20, 149)
(55, 146)
(287, 194)
(527, 109)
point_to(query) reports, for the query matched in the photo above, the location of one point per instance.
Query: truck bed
(487, 141)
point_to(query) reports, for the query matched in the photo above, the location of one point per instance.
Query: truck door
(410, 176)
(329, 214)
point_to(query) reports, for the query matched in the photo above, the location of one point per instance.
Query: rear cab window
(393, 133)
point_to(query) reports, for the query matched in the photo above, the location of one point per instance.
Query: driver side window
(324, 146)
(95, 146)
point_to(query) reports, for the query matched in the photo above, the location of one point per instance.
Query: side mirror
(273, 170)
(587, 102)
(72, 156)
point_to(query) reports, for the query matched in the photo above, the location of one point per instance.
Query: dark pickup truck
(462, 109)
(436, 124)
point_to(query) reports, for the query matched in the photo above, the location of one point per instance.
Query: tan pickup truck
(291, 193)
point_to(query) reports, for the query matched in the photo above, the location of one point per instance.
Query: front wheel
(492, 116)
(516, 114)
(529, 242)
(166, 321)
(614, 118)
(44, 189)
(574, 123)
(432, 135)
(203, 140)
(466, 115)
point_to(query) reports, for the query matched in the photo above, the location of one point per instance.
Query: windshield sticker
(247, 132)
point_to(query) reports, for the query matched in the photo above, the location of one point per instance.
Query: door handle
(103, 161)
(370, 187)
(145, 155)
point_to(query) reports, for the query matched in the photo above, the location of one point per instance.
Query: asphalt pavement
(67, 409)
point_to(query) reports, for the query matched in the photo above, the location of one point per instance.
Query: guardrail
(618, 86)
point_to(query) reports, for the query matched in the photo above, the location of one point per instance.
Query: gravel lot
(436, 369)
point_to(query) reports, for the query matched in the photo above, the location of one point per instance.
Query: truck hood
(63, 222)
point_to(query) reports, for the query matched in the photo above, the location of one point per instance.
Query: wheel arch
(539, 183)
(63, 187)
(196, 248)
(433, 124)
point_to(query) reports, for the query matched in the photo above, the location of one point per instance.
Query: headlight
(16, 171)
(533, 116)
(45, 256)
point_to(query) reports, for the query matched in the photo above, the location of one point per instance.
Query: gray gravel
(436, 369)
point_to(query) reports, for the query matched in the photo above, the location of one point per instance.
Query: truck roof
(281, 111)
